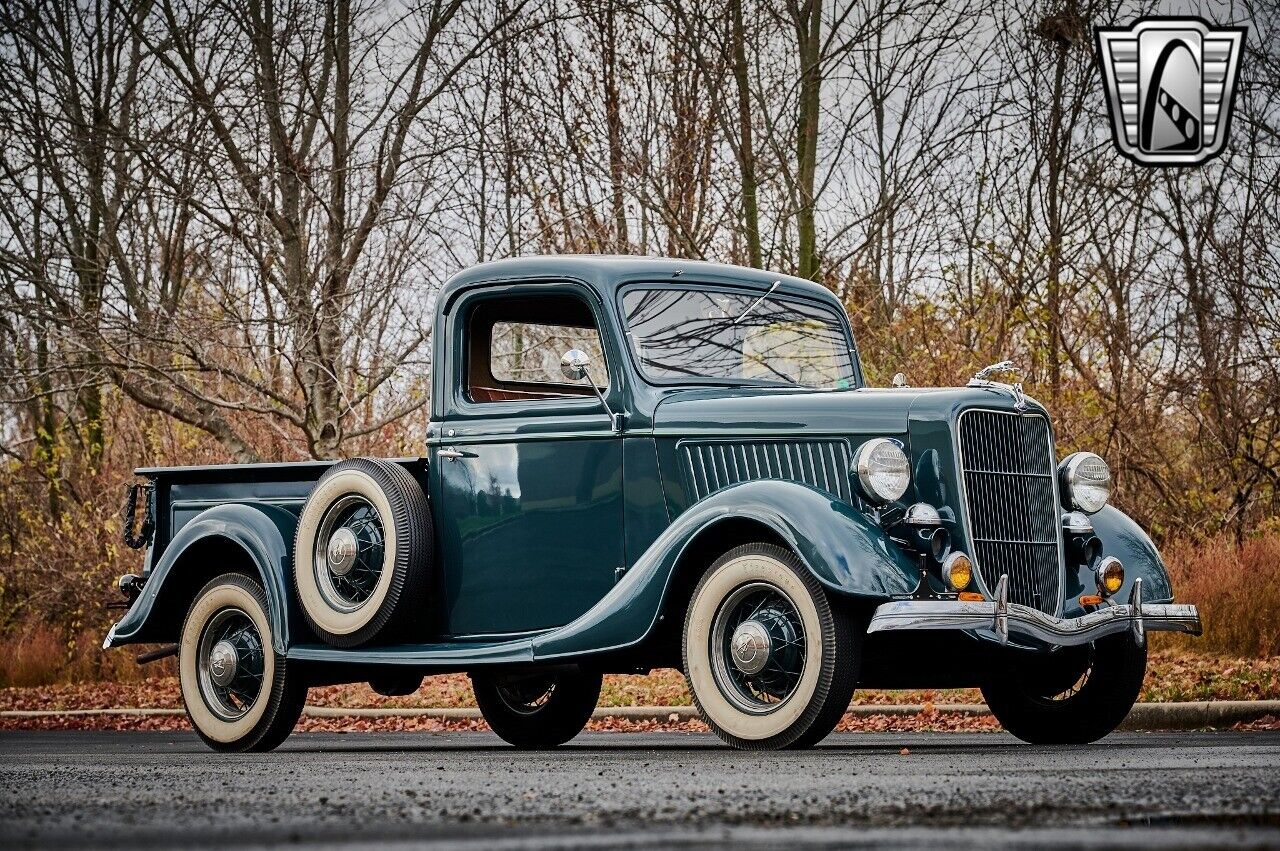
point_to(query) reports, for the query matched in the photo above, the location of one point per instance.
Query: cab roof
(607, 272)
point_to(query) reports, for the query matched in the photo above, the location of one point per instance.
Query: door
(528, 490)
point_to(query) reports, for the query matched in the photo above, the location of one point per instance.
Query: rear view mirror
(575, 366)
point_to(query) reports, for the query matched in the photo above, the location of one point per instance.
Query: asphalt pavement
(468, 790)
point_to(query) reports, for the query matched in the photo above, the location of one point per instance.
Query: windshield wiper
(756, 303)
(765, 382)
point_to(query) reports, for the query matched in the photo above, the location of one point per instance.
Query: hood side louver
(714, 464)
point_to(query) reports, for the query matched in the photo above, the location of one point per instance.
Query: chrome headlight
(883, 470)
(1086, 481)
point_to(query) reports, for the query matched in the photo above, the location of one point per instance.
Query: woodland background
(222, 226)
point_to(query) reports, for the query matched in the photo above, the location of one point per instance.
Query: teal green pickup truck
(638, 463)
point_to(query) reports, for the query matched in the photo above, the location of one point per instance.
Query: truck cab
(636, 463)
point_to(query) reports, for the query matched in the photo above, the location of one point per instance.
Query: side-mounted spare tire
(362, 556)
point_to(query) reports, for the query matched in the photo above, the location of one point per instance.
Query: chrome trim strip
(1023, 620)
(964, 501)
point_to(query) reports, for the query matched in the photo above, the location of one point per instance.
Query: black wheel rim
(526, 695)
(230, 663)
(754, 683)
(350, 553)
(1076, 685)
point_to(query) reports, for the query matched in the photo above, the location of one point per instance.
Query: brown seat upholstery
(500, 394)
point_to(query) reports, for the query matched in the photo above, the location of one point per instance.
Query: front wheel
(770, 661)
(238, 691)
(538, 709)
(1075, 699)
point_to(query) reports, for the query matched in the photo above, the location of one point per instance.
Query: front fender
(1123, 538)
(264, 532)
(843, 549)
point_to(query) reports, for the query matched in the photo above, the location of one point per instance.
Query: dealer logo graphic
(1170, 85)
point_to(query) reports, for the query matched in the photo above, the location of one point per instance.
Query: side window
(515, 345)
(531, 352)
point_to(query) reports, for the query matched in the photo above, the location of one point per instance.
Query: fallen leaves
(1266, 722)
(1171, 676)
(922, 722)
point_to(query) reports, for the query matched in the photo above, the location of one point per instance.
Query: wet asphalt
(468, 790)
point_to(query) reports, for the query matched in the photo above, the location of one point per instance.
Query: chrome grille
(1012, 504)
(715, 464)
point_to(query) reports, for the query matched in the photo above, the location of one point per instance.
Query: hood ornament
(981, 378)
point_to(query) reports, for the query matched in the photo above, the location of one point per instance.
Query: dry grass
(36, 655)
(1237, 588)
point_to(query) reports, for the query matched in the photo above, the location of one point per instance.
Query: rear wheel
(770, 662)
(538, 709)
(239, 693)
(1076, 699)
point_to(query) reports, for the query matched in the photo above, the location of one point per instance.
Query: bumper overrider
(1004, 618)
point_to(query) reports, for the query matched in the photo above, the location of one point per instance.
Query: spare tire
(362, 555)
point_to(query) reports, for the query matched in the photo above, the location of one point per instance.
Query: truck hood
(799, 412)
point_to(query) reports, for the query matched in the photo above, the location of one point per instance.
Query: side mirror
(575, 366)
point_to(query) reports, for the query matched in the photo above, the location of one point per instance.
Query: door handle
(455, 454)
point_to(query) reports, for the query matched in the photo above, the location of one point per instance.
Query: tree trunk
(746, 151)
(47, 428)
(1054, 246)
(807, 17)
(613, 120)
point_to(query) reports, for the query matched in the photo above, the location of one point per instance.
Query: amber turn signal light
(969, 597)
(1090, 600)
(957, 571)
(1110, 576)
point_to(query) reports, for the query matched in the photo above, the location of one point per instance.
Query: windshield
(705, 334)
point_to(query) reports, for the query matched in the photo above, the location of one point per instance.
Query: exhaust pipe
(156, 655)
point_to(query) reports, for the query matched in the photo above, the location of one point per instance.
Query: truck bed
(182, 493)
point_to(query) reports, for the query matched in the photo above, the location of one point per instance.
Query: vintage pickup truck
(638, 463)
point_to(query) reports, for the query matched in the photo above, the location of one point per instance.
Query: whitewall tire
(238, 692)
(770, 662)
(362, 555)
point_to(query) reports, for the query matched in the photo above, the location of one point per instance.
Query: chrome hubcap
(349, 554)
(343, 549)
(230, 664)
(757, 648)
(750, 647)
(223, 662)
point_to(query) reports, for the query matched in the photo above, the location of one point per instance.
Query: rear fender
(265, 534)
(839, 545)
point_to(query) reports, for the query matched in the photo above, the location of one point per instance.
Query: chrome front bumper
(1004, 618)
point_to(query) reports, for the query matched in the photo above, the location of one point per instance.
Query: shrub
(1236, 586)
(38, 653)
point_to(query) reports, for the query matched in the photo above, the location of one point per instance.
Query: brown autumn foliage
(1236, 586)
(221, 233)
(57, 577)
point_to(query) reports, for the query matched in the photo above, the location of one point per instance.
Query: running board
(459, 655)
